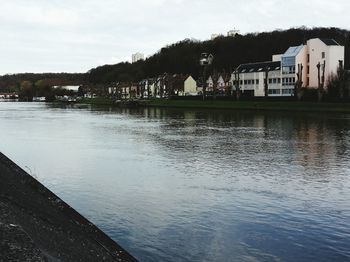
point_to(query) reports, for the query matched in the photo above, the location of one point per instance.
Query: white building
(283, 69)
(69, 88)
(315, 51)
(233, 32)
(137, 57)
(190, 87)
(252, 77)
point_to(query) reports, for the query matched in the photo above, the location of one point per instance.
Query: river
(187, 185)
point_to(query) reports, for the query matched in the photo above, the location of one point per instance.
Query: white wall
(333, 54)
(190, 86)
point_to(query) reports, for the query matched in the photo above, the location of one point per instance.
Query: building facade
(284, 68)
(137, 57)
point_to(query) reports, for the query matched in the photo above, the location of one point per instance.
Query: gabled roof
(329, 41)
(259, 67)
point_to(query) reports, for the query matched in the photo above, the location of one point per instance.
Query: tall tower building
(137, 57)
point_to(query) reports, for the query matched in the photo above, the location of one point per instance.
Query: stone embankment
(36, 225)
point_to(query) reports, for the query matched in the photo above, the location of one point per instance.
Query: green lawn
(97, 101)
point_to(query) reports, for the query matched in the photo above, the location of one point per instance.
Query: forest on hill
(183, 57)
(12, 83)
(229, 52)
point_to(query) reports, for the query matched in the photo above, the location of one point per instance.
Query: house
(190, 87)
(8, 95)
(221, 84)
(210, 84)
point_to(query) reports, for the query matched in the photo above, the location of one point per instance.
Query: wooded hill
(183, 57)
(229, 52)
(12, 83)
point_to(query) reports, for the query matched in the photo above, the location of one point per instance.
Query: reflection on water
(179, 185)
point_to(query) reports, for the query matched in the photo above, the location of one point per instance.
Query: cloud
(39, 15)
(62, 35)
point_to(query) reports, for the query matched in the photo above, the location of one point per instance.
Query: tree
(299, 83)
(336, 85)
(237, 82)
(26, 91)
(266, 81)
(321, 80)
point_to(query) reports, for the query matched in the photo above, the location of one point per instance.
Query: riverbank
(262, 105)
(36, 225)
(251, 105)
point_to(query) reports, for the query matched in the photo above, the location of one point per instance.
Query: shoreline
(286, 106)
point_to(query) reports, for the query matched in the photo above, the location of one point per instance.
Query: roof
(329, 41)
(259, 67)
(293, 51)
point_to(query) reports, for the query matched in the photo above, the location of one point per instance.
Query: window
(270, 81)
(308, 81)
(240, 82)
(287, 91)
(323, 55)
(308, 58)
(257, 81)
(285, 70)
(279, 80)
(308, 69)
(275, 80)
(274, 91)
(245, 82)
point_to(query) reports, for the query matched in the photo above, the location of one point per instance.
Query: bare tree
(341, 77)
(320, 80)
(299, 83)
(266, 81)
(237, 81)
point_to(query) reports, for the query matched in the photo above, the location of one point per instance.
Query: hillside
(182, 57)
(229, 52)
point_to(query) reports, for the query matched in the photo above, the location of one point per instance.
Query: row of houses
(163, 86)
(298, 63)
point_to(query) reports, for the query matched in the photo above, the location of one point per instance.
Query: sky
(75, 36)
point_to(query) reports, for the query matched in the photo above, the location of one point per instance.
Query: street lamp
(205, 61)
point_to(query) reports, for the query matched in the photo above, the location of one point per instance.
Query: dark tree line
(12, 83)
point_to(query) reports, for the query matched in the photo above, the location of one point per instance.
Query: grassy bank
(253, 105)
(97, 101)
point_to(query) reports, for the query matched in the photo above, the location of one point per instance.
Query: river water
(184, 185)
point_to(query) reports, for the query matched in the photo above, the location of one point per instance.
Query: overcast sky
(77, 35)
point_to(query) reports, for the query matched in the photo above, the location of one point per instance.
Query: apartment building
(283, 69)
